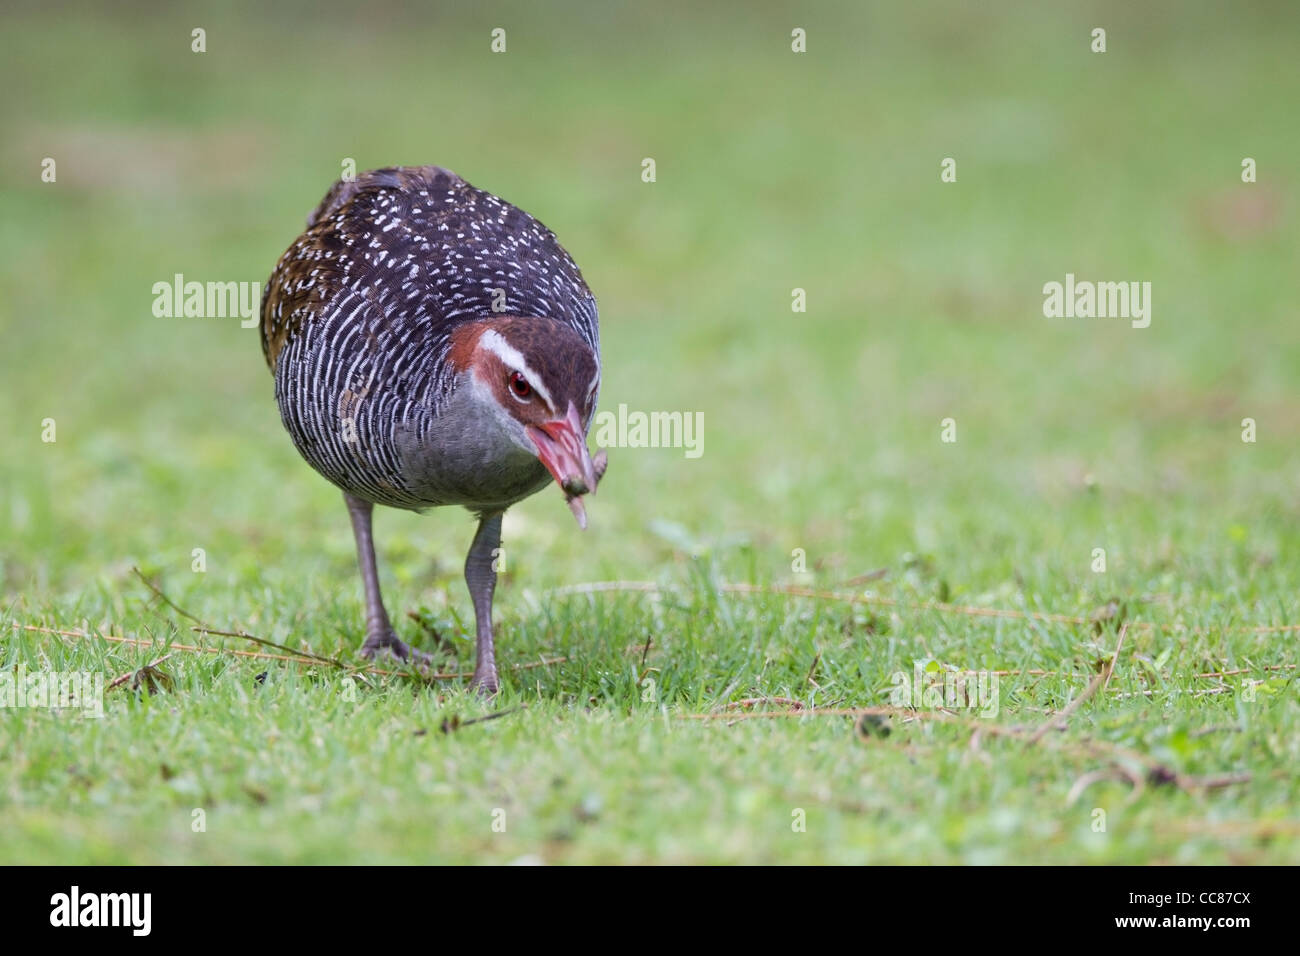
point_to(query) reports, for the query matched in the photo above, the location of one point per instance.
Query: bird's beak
(563, 450)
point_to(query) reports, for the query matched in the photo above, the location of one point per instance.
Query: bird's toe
(485, 683)
(381, 642)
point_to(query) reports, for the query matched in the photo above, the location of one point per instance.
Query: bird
(433, 345)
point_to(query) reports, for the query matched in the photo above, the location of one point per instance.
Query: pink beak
(562, 448)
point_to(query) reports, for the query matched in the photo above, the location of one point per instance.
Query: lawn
(920, 473)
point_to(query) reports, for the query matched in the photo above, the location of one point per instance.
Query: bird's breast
(460, 457)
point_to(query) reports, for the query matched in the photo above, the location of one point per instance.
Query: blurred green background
(775, 171)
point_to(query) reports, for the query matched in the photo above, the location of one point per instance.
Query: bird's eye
(519, 385)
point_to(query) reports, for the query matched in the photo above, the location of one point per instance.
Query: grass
(822, 433)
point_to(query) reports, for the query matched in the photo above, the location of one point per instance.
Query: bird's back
(358, 314)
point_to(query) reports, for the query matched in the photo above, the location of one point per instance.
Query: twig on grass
(1121, 757)
(751, 701)
(1119, 644)
(203, 627)
(297, 659)
(439, 641)
(1058, 720)
(319, 658)
(813, 670)
(454, 723)
(1247, 670)
(867, 578)
(1226, 729)
(118, 681)
(287, 658)
(163, 597)
(1110, 773)
(652, 587)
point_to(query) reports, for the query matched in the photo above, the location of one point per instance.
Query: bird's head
(538, 379)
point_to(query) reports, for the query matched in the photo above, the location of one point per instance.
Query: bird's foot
(385, 641)
(484, 682)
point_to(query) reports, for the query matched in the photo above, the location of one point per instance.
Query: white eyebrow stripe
(508, 354)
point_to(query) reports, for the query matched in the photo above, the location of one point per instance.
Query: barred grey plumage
(363, 304)
(432, 344)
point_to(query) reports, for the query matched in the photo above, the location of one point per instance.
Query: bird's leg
(379, 630)
(481, 577)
